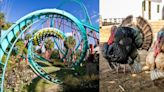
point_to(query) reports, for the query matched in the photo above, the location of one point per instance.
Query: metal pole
(0, 34)
(143, 8)
(149, 9)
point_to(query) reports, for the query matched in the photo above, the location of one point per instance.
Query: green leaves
(6, 26)
(70, 42)
(28, 36)
(3, 24)
(20, 44)
(20, 48)
(49, 44)
(2, 19)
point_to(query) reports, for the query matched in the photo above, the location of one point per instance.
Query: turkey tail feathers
(127, 21)
(156, 74)
(136, 67)
(144, 28)
(147, 32)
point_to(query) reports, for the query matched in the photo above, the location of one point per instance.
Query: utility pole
(149, 9)
(143, 7)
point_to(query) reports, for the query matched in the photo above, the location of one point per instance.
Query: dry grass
(105, 30)
(104, 33)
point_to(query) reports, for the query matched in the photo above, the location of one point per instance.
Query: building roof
(158, 1)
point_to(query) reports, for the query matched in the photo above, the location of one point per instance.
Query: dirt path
(113, 82)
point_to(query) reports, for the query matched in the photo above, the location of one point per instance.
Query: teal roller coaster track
(22, 25)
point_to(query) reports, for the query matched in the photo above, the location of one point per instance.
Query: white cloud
(83, 20)
(94, 16)
(68, 34)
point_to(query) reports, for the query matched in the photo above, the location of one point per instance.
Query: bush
(54, 54)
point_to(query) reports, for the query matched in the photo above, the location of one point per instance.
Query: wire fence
(111, 21)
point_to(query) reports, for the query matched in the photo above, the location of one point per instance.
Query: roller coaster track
(15, 32)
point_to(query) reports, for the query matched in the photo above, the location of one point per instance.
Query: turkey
(124, 42)
(155, 59)
(150, 61)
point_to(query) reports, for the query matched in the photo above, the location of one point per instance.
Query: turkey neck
(111, 38)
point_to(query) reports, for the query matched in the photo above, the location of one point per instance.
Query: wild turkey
(150, 60)
(125, 40)
(156, 64)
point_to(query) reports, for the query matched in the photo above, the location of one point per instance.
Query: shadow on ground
(73, 82)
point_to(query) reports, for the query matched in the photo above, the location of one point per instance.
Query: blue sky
(16, 9)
